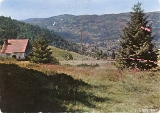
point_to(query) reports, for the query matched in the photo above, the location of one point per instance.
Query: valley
(98, 31)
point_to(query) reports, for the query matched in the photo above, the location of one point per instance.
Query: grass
(59, 53)
(32, 87)
(87, 65)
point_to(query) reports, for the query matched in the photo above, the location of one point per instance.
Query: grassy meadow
(97, 86)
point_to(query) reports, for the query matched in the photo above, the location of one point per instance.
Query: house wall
(19, 56)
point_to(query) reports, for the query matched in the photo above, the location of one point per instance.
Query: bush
(87, 65)
(67, 56)
(7, 59)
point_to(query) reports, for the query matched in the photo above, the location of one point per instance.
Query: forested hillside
(10, 28)
(97, 30)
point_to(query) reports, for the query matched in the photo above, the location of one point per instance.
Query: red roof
(15, 45)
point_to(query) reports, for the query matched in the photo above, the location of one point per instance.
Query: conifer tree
(137, 49)
(41, 53)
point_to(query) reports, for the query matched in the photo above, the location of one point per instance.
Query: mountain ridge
(97, 30)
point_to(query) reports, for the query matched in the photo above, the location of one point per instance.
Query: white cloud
(159, 1)
(1, 2)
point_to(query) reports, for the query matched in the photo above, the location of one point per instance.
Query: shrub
(7, 59)
(67, 56)
(87, 65)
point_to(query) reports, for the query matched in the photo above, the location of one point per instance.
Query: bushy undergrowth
(28, 90)
(7, 59)
(87, 65)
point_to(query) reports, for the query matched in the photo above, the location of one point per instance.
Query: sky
(24, 9)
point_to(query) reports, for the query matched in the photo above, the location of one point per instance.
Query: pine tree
(137, 49)
(41, 53)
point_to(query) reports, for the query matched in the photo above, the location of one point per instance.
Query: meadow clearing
(96, 87)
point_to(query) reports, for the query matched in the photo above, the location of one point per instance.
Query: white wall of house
(19, 56)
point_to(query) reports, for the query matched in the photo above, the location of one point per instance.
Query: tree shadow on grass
(28, 90)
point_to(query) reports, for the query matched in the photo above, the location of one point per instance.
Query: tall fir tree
(137, 49)
(41, 53)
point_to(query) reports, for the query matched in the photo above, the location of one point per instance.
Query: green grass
(58, 53)
(58, 88)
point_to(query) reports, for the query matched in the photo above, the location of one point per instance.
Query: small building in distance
(16, 48)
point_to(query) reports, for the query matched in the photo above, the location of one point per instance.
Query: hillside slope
(10, 28)
(97, 30)
(57, 88)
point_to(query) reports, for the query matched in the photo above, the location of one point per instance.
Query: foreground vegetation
(30, 87)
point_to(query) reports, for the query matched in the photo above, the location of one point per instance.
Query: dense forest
(13, 29)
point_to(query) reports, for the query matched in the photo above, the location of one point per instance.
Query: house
(16, 48)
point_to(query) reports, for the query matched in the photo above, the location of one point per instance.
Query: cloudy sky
(24, 9)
